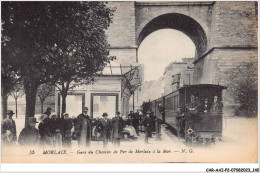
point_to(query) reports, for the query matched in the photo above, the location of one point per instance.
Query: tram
(195, 112)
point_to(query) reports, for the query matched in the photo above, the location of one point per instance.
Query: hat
(49, 108)
(9, 112)
(42, 117)
(65, 114)
(104, 114)
(85, 109)
(32, 120)
(179, 106)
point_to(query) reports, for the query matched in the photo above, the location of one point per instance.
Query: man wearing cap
(48, 111)
(46, 131)
(134, 120)
(66, 131)
(205, 107)
(29, 136)
(104, 127)
(131, 116)
(194, 106)
(57, 126)
(9, 129)
(216, 107)
(147, 122)
(83, 128)
(180, 121)
(117, 128)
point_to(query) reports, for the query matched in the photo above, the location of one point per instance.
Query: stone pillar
(233, 39)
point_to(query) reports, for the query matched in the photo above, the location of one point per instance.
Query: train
(194, 112)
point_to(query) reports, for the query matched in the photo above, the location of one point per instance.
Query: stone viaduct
(224, 33)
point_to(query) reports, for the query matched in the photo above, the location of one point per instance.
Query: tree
(9, 76)
(25, 24)
(8, 81)
(50, 37)
(242, 86)
(84, 51)
(16, 93)
(44, 90)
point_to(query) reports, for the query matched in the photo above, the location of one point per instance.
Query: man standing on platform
(83, 128)
(104, 127)
(66, 131)
(135, 121)
(9, 129)
(29, 136)
(46, 131)
(147, 122)
(117, 129)
(57, 126)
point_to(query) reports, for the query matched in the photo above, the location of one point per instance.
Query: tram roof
(200, 86)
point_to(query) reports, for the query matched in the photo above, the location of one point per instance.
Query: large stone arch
(180, 22)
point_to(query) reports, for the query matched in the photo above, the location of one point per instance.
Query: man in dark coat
(205, 106)
(193, 106)
(152, 126)
(117, 129)
(46, 131)
(147, 122)
(57, 126)
(180, 121)
(9, 129)
(66, 131)
(135, 121)
(29, 136)
(131, 116)
(104, 127)
(216, 107)
(83, 128)
(48, 111)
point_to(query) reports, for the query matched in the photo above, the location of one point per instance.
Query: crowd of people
(59, 132)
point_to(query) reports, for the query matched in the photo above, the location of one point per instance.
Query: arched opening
(160, 49)
(179, 22)
(161, 76)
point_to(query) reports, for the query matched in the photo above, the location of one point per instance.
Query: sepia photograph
(129, 82)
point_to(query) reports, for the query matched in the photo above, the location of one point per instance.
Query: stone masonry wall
(121, 33)
(233, 39)
(233, 24)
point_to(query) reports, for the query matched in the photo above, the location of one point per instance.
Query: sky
(161, 48)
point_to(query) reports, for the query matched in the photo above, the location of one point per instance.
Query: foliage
(81, 48)
(44, 90)
(242, 85)
(17, 91)
(9, 76)
(57, 42)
